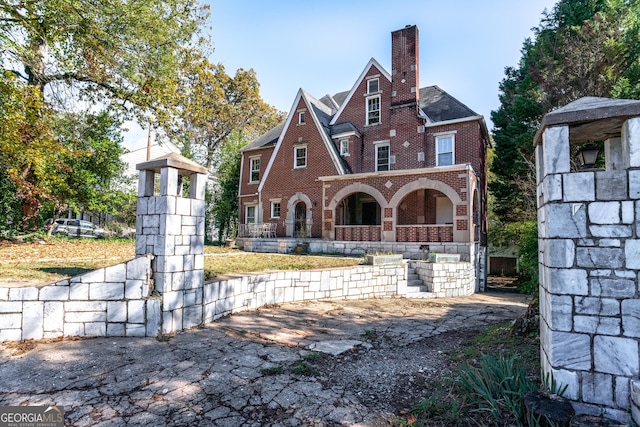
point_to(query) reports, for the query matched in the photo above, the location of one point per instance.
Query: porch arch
(290, 218)
(427, 184)
(357, 187)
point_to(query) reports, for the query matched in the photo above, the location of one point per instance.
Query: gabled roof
(320, 116)
(267, 139)
(372, 62)
(439, 106)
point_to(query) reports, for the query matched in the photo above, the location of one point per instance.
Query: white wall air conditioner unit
(392, 159)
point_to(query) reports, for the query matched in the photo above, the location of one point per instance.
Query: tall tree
(71, 55)
(125, 52)
(91, 155)
(581, 48)
(223, 212)
(212, 105)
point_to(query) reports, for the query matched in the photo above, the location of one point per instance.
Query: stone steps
(415, 287)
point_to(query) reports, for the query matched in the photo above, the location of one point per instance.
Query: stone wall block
(133, 289)
(172, 300)
(634, 184)
(106, 291)
(613, 287)
(631, 135)
(599, 257)
(54, 293)
(153, 321)
(566, 223)
(617, 356)
(170, 225)
(560, 253)
(598, 389)
(628, 214)
(560, 319)
(597, 306)
(135, 330)
(570, 350)
(32, 320)
(615, 231)
(632, 254)
(11, 321)
(53, 317)
(116, 273)
(604, 213)
(23, 294)
(611, 185)
(183, 206)
(555, 155)
(115, 330)
(552, 187)
(96, 329)
(568, 281)
(622, 392)
(597, 325)
(631, 317)
(579, 187)
(116, 311)
(135, 311)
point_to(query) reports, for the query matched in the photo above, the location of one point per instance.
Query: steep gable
(372, 63)
(319, 116)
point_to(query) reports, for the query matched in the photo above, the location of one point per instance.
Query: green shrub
(498, 385)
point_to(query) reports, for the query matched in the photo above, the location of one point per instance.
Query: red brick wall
(285, 180)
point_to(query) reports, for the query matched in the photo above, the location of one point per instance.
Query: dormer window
(344, 147)
(301, 117)
(373, 86)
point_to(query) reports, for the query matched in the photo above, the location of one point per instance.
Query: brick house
(384, 162)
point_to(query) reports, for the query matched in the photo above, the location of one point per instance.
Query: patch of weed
(275, 370)
(304, 369)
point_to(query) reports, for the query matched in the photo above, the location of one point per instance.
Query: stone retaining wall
(111, 301)
(447, 279)
(230, 295)
(119, 300)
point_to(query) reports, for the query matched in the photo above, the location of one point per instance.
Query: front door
(301, 220)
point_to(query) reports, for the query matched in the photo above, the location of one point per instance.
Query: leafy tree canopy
(581, 48)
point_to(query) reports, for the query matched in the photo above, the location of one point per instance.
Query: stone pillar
(170, 226)
(589, 256)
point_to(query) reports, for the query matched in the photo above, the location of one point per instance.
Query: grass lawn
(60, 258)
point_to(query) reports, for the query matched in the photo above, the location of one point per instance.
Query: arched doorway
(300, 225)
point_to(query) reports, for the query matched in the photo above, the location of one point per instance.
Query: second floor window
(444, 150)
(382, 157)
(373, 110)
(255, 170)
(300, 154)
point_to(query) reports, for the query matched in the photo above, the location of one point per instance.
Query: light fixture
(588, 155)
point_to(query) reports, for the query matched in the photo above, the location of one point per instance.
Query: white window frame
(255, 214)
(453, 148)
(344, 147)
(301, 117)
(252, 170)
(369, 112)
(273, 205)
(295, 156)
(369, 81)
(377, 148)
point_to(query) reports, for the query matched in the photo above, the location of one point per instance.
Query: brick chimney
(404, 66)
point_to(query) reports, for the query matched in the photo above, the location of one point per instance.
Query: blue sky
(323, 46)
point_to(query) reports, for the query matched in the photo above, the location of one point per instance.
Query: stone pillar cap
(591, 118)
(173, 160)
